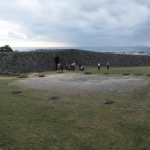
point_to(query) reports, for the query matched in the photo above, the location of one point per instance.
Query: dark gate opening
(57, 61)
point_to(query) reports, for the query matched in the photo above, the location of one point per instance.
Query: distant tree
(6, 48)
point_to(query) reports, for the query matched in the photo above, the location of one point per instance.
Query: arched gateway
(57, 61)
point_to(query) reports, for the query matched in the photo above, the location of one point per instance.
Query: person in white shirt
(98, 65)
(73, 65)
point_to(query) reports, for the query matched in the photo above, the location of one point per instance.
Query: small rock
(125, 74)
(16, 92)
(108, 101)
(41, 75)
(87, 73)
(55, 97)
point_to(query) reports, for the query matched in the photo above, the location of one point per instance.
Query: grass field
(119, 70)
(31, 120)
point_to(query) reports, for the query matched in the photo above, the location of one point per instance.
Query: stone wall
(46, 60)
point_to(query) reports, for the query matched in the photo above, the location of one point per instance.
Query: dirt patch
(76, 83)
(32, 75)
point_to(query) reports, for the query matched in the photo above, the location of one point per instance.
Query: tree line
(6, 48)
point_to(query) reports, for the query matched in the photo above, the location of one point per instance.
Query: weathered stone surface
(41, 75)
(87, 73)
(55, 97)
(44, 60)
(16, 92)
(108, 101)
(126, 74)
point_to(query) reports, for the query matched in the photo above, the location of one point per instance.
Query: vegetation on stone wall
(6, 48)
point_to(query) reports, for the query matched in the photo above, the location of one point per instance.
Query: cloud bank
(75, 23)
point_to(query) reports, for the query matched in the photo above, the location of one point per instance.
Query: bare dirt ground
(30, 75)
(76, 83)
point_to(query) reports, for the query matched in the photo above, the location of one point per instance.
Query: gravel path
(75, 83)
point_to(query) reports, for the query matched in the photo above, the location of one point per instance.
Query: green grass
(144, 70)
(32, 121)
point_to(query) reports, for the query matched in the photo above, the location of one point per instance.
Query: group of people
(60, 66)
(71, 67)
(107, 65)
(81, 67)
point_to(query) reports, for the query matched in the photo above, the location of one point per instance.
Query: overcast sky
(88, 23)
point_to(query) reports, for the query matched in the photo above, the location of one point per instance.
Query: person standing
(108, 65)
(67, 64)
(98, 65)
(61, 66)
(58, 66)
(73, 65)
(79, 66)
(82, 67)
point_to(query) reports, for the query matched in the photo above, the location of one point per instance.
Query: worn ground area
(32, 75)
(77, 83)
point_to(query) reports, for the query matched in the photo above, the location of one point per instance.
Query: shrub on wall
(6, 48)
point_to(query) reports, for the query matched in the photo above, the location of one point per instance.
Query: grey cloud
(12, 35)
(144, 3)
(92, 23)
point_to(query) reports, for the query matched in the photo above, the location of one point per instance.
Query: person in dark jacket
(61, 67)
(108, 65)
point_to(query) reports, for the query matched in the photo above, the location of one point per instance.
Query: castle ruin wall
(46, 60)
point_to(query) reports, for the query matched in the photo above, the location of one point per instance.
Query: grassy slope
(31, 120)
